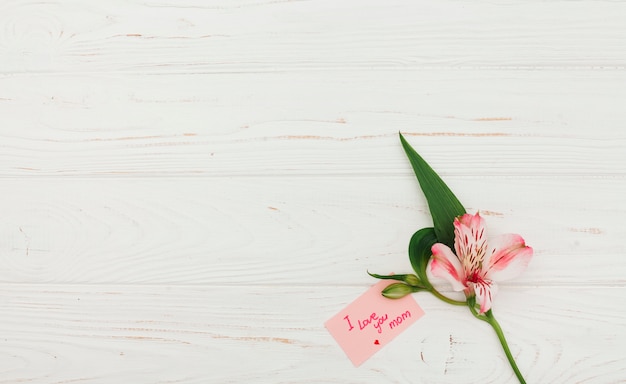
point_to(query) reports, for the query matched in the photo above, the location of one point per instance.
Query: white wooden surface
(191, 188)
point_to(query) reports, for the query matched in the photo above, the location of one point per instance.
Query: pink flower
(479, 264)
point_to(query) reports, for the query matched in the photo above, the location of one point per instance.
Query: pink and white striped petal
(485, 291)
(506, 258)
(470, 241)
(446, 265)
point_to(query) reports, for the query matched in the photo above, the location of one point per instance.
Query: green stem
(446, 299)
(471, 303)
(494, 324)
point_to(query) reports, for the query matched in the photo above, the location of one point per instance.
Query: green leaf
(443, 204)
(409, 279)
(420, 252)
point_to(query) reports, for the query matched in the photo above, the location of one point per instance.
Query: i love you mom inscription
(372, 321)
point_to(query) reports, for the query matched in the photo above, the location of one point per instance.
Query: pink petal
(470, 241)
(446, 265)
(468, 220)
(485, 291)
(506, 258)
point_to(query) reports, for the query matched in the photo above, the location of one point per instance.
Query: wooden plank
(519, 123)
(267, 36)
(275, 334)
(289, 230)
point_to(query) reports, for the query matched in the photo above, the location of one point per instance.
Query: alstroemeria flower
(479, 264)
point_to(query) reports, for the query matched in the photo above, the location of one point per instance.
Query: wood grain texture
(563, 123)
(147, 334)
(268, 36)
(289, 231)
(191, 188)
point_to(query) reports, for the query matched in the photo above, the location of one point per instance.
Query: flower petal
(507, 257)
(470, 241)
(446, 265)
(472, 221)
(485, 290)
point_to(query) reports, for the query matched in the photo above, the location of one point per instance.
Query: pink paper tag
(371, 321)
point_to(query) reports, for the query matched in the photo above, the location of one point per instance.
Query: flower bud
(412, 280)
(397, 291)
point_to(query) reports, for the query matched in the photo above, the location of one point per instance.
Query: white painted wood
(194, 125)
(273, 334)
(307, 230)
(266, 36)
(190, 189)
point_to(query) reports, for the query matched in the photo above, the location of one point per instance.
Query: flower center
(475, 277)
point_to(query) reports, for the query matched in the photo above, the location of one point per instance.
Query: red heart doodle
(376, 342)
